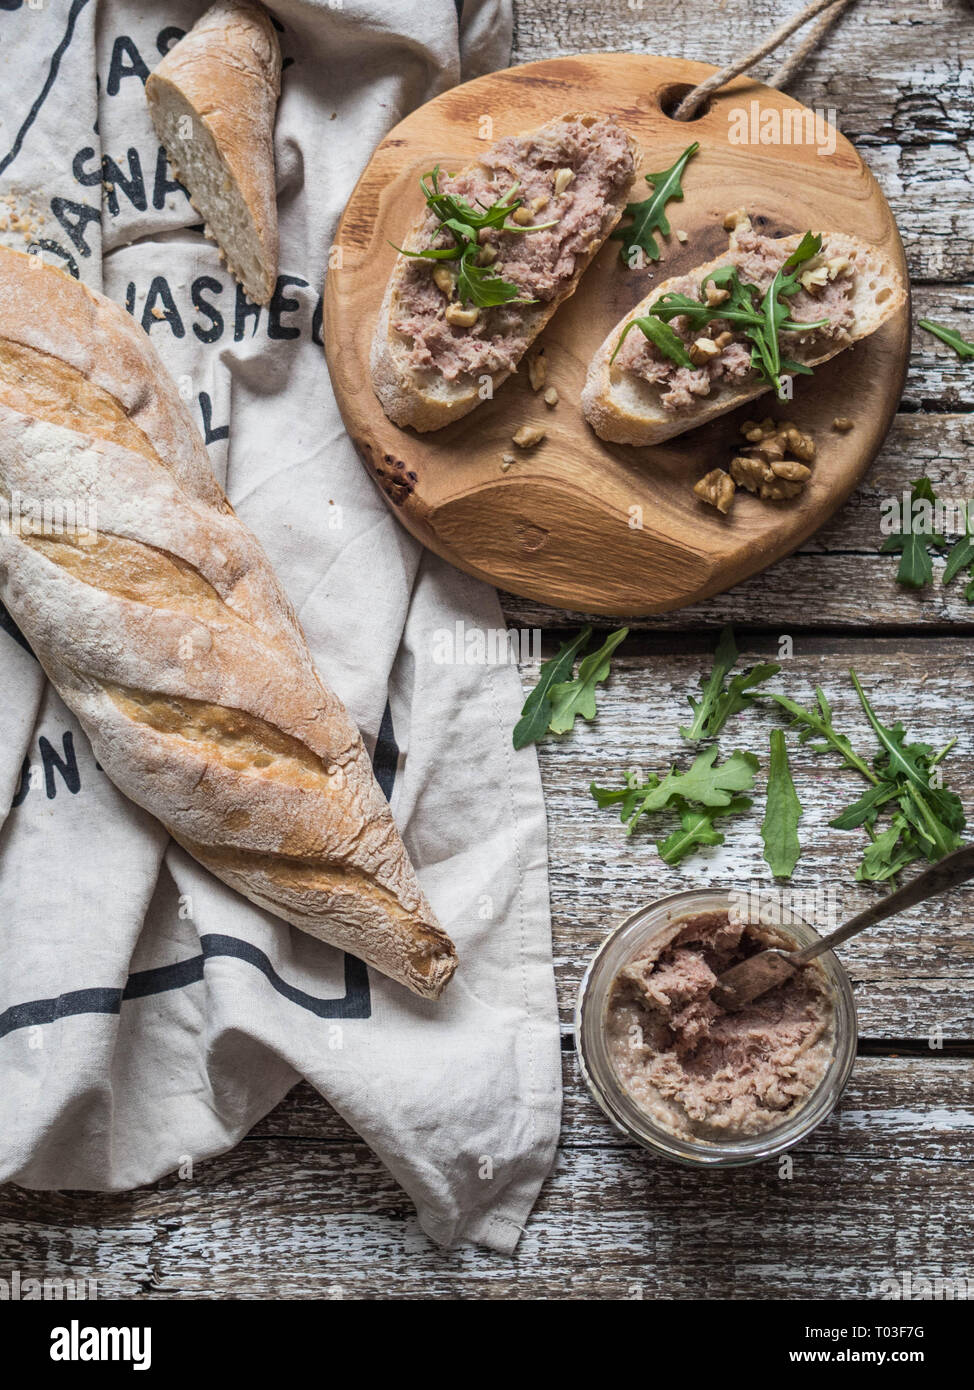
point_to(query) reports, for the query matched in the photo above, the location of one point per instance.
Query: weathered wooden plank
(300, 1217)
(302, 1209)
(938, 381)
(898, 78)
(913, 975)
(838, 577)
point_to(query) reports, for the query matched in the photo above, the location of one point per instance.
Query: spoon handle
(954, 869)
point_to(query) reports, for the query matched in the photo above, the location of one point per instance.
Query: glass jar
(630, 939)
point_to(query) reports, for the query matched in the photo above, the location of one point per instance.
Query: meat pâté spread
(703, 1073)
(827, 285)
(567, 176)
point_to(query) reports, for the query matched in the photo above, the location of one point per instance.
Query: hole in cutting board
(670, 98)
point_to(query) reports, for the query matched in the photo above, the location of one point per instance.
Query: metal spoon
(754, 976)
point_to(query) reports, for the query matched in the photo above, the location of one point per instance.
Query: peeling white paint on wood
(302, 1209)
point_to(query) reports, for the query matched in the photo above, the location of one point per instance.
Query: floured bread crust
(169, 636)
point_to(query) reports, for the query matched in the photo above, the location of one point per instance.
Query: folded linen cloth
(148, 1015)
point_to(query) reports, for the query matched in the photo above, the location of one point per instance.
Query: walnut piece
(702, 351)
(815, 278)
(716, 488)
(715, 295)
(528, 436)
(537, 369)
(444, 280)
(779, 489)
(801, 445)
(749, 473)
(461, 318)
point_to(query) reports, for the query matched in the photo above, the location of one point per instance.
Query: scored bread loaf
(213, 100)
(169, 636)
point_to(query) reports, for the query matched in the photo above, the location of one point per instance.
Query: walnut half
(716, 488)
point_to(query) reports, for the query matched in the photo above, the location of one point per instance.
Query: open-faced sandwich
(499, 247)
(701, 344)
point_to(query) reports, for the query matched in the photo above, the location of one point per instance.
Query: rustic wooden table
(302, 1209)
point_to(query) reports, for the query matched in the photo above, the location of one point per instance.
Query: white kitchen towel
(148, 1015)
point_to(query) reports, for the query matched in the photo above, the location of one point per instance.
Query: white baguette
(169, 636)
(213, 100)
(423, 398)
(623, 408)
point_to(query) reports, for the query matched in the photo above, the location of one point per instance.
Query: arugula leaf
(664, 337)
(766, 350)
(703, 782)
(650, 215)
(808, 247)
(725, 658)
(627, 797)
(916, 567)
(779, 829)
(481, 286)
(762, 318)
(712, 712)
(818, 724)
(935, 813)
(476, 284)
(577, 697)
(902, 757)
(697, 828)
(533, 724)
(961, 556)
(737, 697)
(448, 207)
(866, 809)
(887, 854)
(964, 349)
(713, 789)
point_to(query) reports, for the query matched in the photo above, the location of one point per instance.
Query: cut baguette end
(251, 253)
(213, 100)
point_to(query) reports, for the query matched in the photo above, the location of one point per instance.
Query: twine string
(826, 11)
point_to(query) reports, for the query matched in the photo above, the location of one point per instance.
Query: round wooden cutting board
(562, 525)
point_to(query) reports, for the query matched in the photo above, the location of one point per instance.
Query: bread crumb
(528, 436)
(682, 235)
